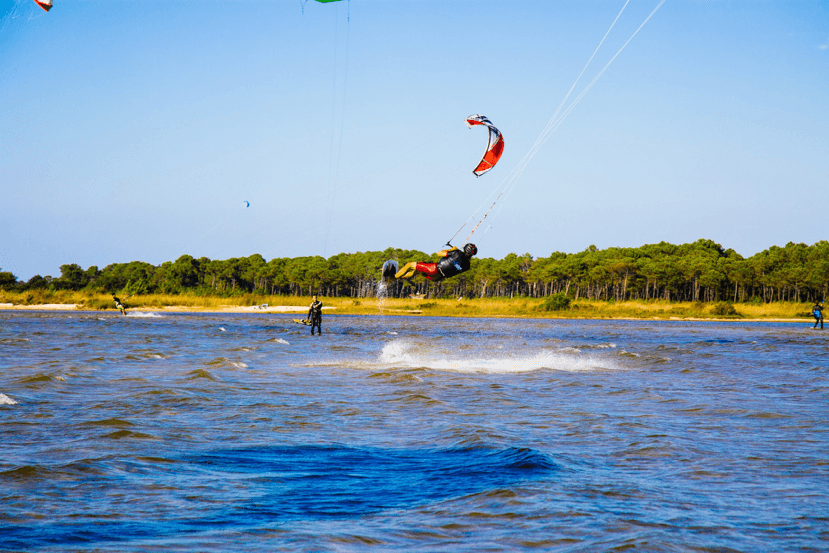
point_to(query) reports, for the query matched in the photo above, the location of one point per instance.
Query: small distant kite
(494, 148)
(45, 4)
(303, 2)
(247, 203)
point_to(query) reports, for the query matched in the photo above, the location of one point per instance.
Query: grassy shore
(466, 307)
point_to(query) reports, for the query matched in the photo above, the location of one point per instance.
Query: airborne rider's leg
(408, 270)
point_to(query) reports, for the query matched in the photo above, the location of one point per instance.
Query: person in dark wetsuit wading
(453, 262)
(817, 313)
(315, 316)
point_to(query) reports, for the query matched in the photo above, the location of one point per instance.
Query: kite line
(507, 185)
(332, 187)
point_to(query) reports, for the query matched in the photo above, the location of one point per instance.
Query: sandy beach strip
(234, 309)
(398, 312)
(42, 306)
(179, 308)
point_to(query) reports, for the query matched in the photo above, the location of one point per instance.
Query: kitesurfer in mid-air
(315, 316)
(453, 262)
(817, 313)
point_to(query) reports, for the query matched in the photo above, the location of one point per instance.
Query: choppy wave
(332, 481)
(6, 400)
(225, 362)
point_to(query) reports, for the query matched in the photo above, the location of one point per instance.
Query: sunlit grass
(465, 307)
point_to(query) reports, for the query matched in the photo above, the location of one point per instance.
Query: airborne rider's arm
(444, 253)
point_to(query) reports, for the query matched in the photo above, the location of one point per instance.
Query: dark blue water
(243, 433)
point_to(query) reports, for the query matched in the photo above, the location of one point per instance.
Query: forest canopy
(700, 271)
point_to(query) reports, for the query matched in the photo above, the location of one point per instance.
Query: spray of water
(382, 292)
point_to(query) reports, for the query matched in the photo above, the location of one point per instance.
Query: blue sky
(136, 129)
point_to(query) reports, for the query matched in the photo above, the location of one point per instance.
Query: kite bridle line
(332, 193)
(555, 121)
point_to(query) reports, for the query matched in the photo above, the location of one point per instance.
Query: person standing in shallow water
(817, 313)
(315, 316)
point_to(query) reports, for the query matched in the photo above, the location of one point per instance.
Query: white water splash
(401, 353)
(6, 400)
(281, 341)
(144, 315)
(382, 292)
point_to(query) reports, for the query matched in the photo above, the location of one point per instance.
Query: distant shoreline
(369, 307)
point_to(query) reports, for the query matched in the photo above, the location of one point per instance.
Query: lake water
(219, 432)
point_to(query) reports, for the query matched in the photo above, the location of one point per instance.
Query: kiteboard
(302, 322)
(390, 268)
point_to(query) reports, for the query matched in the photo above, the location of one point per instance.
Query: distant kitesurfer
(453, 262)
(817, 313)
(315, 316)
(119, 305)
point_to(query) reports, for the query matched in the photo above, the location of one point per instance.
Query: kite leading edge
(494, 148)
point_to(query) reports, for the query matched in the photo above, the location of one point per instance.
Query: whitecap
(400, 353)
(281, 341)
(144, 315)
(238, 364)
(6, 400)
(223, 329)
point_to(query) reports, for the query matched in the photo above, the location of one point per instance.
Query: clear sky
(136, 129)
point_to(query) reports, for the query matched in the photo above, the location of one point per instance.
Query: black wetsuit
(453, 263)
(817, 313)
(315, 316)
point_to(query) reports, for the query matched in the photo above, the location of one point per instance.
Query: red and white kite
(494, 148)
(45, 4)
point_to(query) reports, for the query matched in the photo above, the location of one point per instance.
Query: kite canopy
(247, 203)
(494, 148)
(45, 4)
(326, 1)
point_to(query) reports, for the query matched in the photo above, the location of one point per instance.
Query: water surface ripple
(207, 432)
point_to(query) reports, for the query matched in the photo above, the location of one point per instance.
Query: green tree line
(701, 271)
